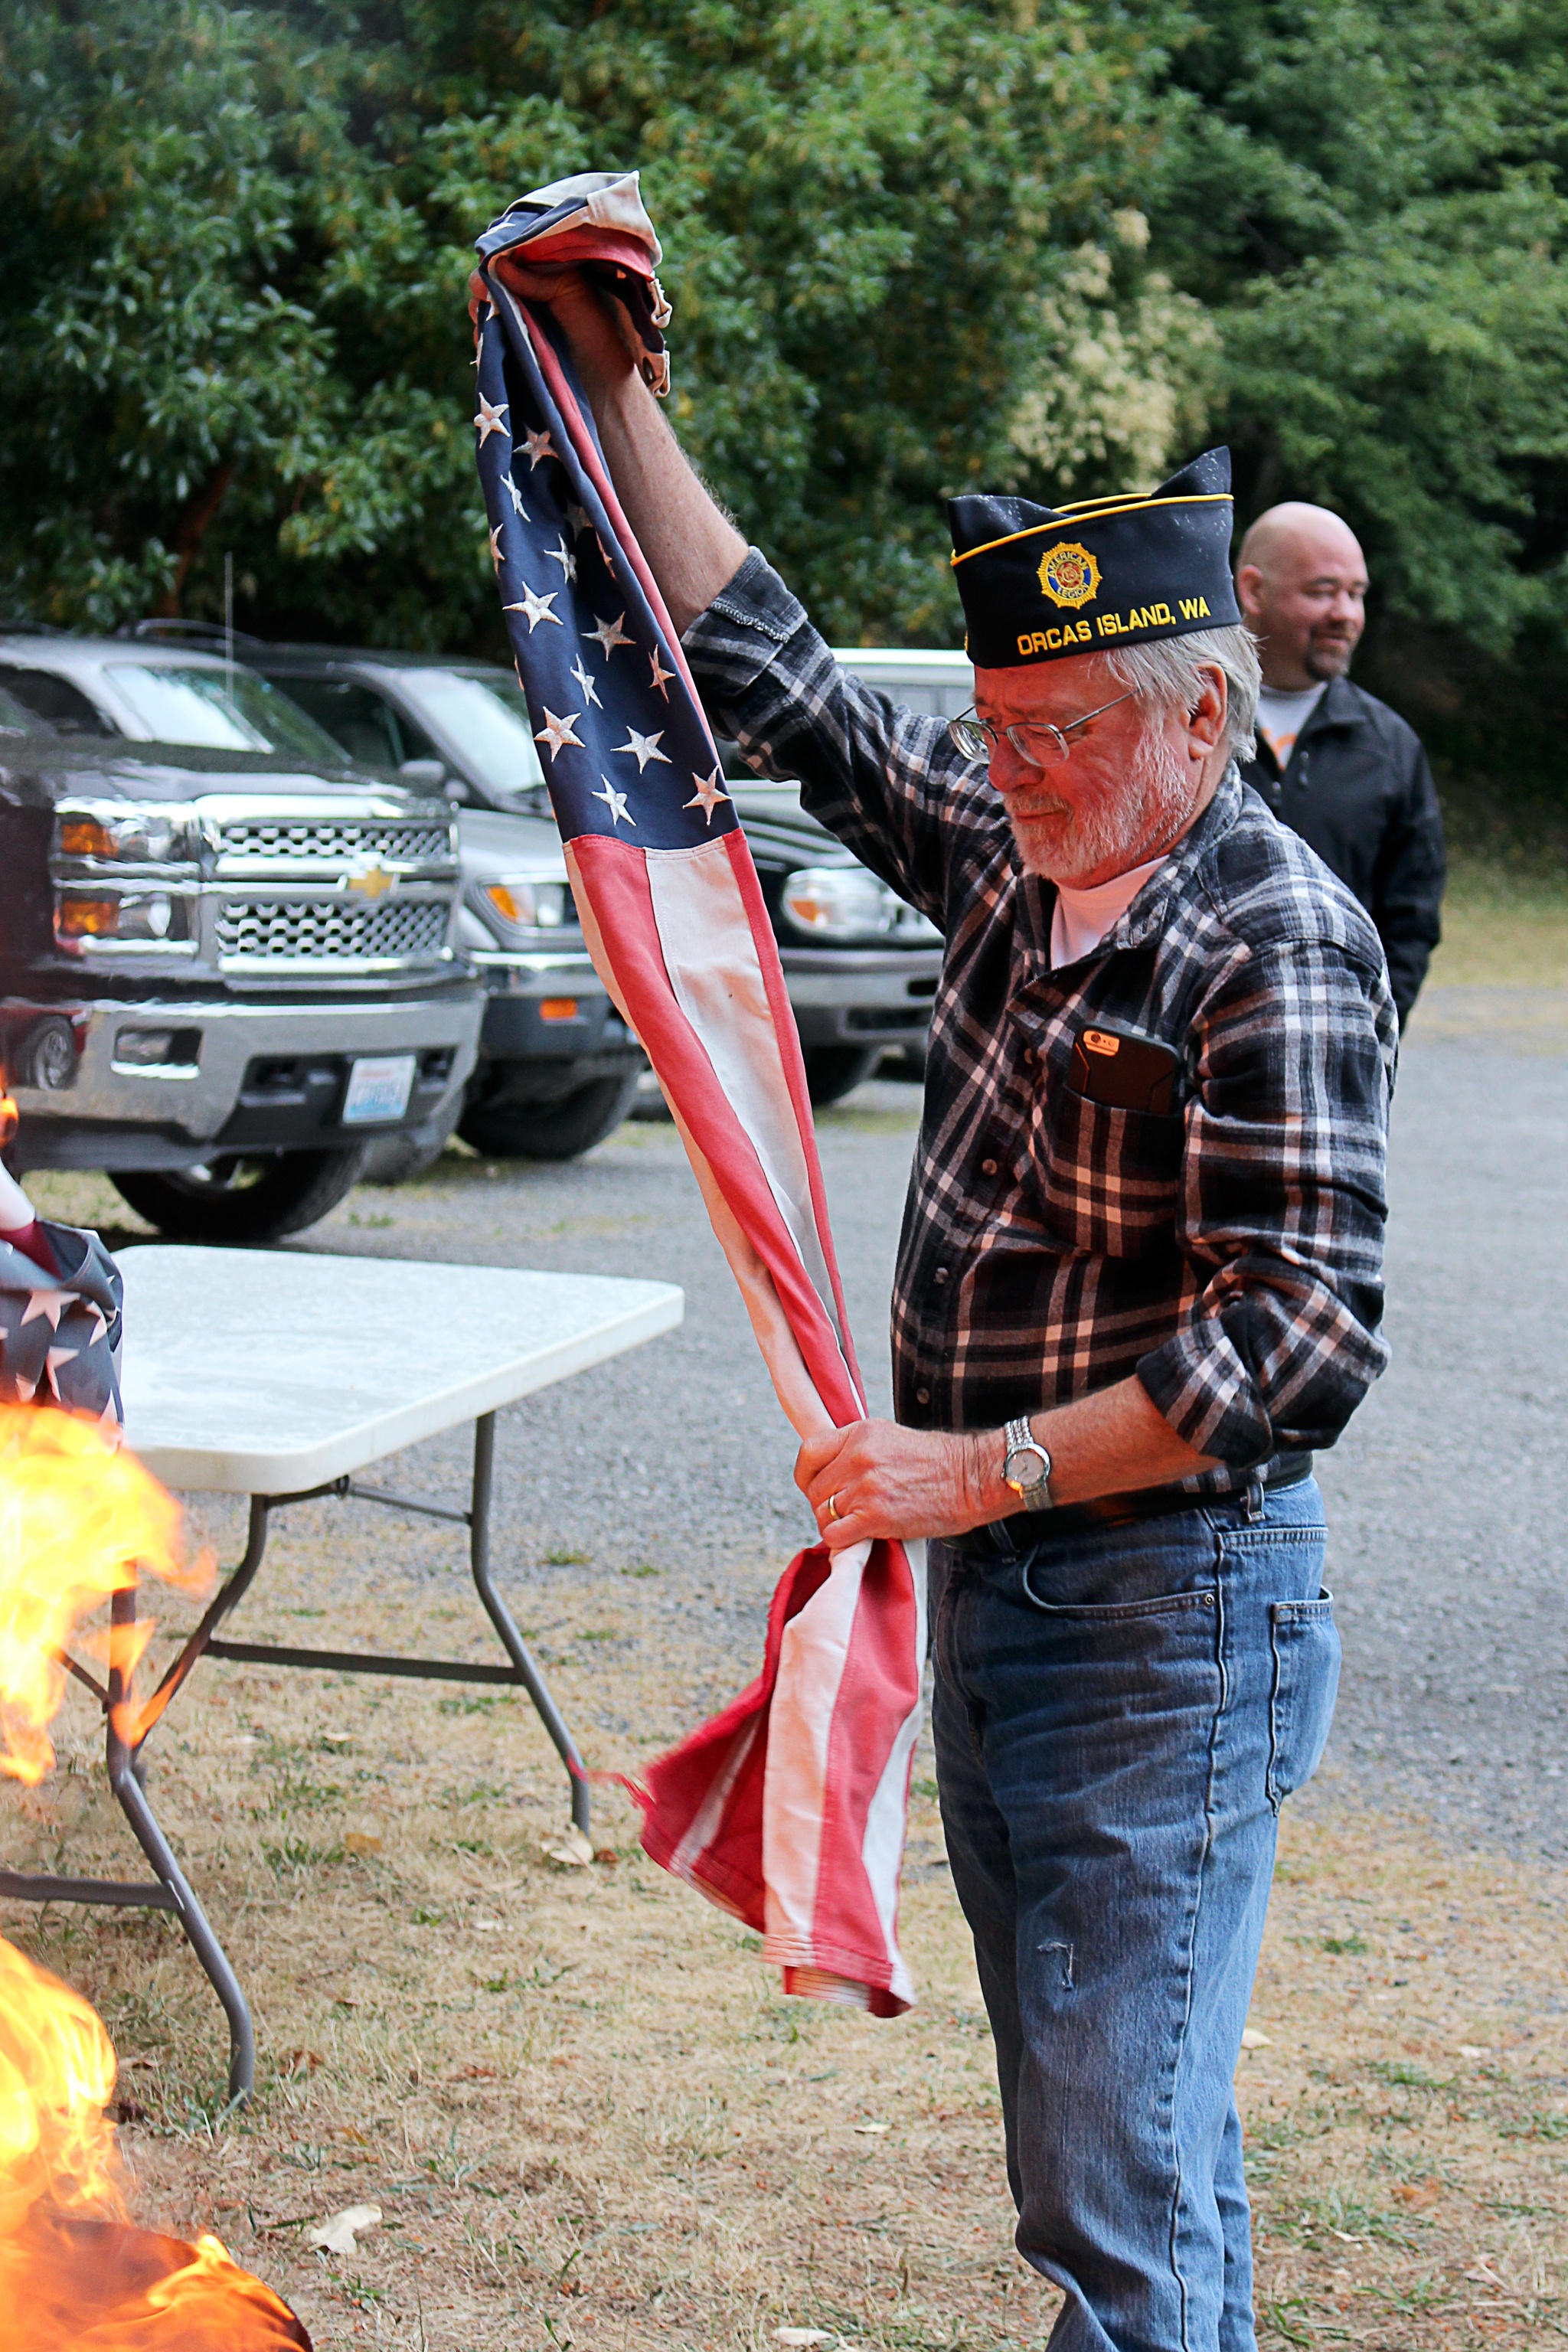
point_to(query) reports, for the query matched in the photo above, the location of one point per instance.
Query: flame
(79, 1520)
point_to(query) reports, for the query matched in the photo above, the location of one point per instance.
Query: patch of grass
(567, 1559)
(641, 1567)
(520, 2061)
(1353, 1942)
(1399, 2074)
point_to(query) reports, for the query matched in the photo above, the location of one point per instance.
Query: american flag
(789, 1809)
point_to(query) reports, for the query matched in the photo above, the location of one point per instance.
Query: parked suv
(227, 960)
(860, 966)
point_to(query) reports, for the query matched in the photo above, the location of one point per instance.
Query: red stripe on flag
(779, 1005)
(877, 1693)
(616, 875)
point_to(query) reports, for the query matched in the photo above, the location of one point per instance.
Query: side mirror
(423, 776)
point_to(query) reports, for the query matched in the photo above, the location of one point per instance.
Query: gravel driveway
(1447, 1499)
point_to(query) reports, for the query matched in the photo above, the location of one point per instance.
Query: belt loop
(1254, 1504)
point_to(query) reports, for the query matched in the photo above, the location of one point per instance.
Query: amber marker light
(83, 836)
(88, 919)
(558, 1008)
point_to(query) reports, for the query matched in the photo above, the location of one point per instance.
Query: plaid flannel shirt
(1229, 1255)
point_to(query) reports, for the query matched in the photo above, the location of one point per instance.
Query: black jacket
(1358, 789)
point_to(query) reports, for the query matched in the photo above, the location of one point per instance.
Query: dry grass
(589, 2118)
(1501, 931)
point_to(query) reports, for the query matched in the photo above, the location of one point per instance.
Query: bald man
(1334, 763)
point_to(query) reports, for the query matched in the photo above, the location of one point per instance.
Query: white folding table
(280, 1374)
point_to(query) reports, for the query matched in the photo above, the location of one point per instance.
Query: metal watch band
(1034, 1494)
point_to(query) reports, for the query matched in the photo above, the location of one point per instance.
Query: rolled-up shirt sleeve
(889, 782)
(1283, 1205)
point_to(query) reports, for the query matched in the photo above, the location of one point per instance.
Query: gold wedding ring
(833, 1506)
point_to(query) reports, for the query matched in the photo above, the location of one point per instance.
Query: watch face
(1025, 1467)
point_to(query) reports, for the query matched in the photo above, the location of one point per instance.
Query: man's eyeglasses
(1041, 746)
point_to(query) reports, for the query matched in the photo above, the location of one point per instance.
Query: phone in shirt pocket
(1118, 1067)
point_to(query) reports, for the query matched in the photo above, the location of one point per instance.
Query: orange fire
(79, 1519)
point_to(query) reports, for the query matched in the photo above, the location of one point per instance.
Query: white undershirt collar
(1082, 918)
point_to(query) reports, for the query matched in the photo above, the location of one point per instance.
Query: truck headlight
(124, 918)
(841, 902)
(516, 902)
(109, 834)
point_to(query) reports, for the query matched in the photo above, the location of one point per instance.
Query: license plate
(378, 1090)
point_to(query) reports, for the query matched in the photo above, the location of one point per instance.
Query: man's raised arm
(690, 543)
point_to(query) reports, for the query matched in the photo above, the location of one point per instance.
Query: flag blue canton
(621, 740)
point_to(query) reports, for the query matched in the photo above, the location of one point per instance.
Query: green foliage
(234, 248)
(1366, 194)
(913, 245)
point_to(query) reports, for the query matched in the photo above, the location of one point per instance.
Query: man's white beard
(1125, 829)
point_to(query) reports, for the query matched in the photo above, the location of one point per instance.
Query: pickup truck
(228, 961)
(861, 967)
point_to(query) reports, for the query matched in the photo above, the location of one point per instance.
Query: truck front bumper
(867, 998)
(237, 1076)
(552, 1008)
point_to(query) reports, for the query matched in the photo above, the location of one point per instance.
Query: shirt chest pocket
(1110, 1179)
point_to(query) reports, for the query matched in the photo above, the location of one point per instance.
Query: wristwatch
(1026, 1466)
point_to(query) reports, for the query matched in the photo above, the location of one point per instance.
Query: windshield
(484, 713)
(222, 709)
(15, 718)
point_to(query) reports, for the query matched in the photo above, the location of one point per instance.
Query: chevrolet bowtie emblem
(371, 882)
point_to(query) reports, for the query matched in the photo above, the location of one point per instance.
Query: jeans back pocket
(1305, 1683)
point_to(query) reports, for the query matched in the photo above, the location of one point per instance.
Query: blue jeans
(1117, 1716)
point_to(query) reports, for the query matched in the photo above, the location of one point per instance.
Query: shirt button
(940, 1274)
(988, 1167)
(922, 1396)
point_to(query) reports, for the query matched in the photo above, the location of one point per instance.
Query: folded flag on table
(789, 1809)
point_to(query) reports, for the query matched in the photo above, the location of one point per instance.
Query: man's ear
(1249, 591)
(1206, 720)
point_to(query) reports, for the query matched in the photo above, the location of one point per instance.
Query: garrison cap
(1041, 582)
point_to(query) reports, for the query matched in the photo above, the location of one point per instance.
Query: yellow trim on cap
(1059, 520)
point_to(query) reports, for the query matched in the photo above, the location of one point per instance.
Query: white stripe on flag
(887, 1815)
(813, 1660)
(711, 958)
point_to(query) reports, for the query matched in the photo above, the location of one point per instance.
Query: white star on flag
(610, 633)
(537, 608)
(707, 794)
(577, 516)
(52, 1362)
(661, 676)
(100, 1320)
(562, 555)
(489, 419)
(515, 495)
(589, 690)
(539, 444)
(557, 732)
(49, 1303)
(644, 748)
(615, 802)
(495, 546)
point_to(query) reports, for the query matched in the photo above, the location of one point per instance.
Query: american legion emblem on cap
(1041, 582)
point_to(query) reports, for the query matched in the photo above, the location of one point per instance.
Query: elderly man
(1332, 761)
(1139, 1283)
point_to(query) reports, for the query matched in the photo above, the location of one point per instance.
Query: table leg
(120, 1758)
(500, 1617)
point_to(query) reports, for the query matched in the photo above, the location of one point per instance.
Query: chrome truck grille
(337, 841)
(278, 930)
